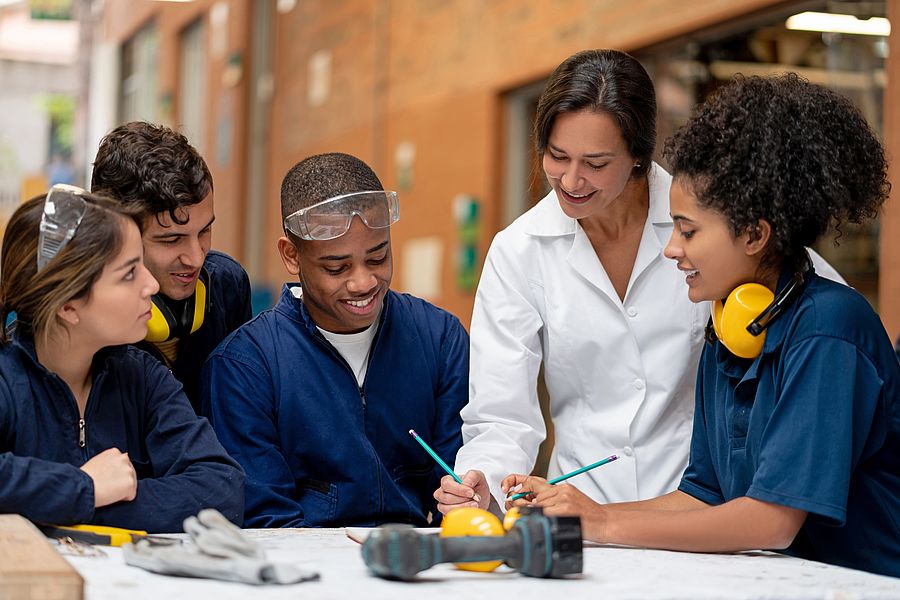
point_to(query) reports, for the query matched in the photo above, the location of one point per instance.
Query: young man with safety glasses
(203, 295)
(315, 397)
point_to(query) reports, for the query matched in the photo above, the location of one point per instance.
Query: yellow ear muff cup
(472, 521)
(716, 309)
(163, 324)
(199, 305)
(730, 320)
(158, 329)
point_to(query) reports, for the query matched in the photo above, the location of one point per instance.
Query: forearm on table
(741, 524)
(676, 500)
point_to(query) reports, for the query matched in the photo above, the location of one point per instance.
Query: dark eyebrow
(594, 155)
(346, 256)
(677, 218)
(128, 263)
(175, 235)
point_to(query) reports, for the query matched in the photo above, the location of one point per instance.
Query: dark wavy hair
(782, 149)
(602, 81)
(323, 176)
(151, 166)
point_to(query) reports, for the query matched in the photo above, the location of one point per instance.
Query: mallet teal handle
(556, 480)
(435, 456)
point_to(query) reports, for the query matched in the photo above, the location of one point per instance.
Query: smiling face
(345, 279)
(174, 253)
(713, 260)
(586, 162)
(117, 308)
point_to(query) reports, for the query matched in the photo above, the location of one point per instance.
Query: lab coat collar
(549, 220)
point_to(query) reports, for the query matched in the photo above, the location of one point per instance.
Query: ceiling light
(816, 21)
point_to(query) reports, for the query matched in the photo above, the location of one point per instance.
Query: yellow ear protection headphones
(740, 322)
(168, 320)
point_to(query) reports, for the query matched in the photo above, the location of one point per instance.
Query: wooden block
(31, 568)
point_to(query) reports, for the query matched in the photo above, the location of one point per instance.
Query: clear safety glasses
(331, 218)
(64, 209)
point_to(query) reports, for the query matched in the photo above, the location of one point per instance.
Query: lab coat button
(638, 384)
(628, 451)
(632, 311)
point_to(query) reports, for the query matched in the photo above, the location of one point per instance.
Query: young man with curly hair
(203, 294)
(315, 397)
(796, 438)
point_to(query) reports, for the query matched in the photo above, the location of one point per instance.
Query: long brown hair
(36, 297)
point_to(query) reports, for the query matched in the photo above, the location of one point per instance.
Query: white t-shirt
(354, 347)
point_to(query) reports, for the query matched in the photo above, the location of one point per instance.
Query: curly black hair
(323, 176)
(152, 166)
(785, 150)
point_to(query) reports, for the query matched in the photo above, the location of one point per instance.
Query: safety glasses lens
(64, 209)
(333, 217)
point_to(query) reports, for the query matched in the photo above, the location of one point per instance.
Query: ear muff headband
(164, 324)
(740, 322)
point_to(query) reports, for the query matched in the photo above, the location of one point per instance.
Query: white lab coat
(620, 374)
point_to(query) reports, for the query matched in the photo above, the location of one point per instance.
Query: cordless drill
(537, 546)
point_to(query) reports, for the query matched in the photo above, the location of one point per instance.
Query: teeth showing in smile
(361, 303)
(691, 273)
(578, 195)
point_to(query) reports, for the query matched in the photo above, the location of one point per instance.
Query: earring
(637, 165)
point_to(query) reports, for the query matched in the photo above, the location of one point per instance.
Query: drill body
(537, 546)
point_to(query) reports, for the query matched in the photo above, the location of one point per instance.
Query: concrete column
(889, 269)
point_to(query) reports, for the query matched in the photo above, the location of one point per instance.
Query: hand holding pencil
(537, 486)
(456, 492)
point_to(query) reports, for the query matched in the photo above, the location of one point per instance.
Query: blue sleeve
(191, 470)
(699, 479)
(45, 491)
(239, 399)
(231, 282)
(38, 489)
(817, 432)
(452, 396)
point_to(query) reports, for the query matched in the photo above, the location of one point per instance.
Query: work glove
(217, 536)
(219, 551)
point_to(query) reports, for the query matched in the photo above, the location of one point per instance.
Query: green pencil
(556, 480)
(434, 455)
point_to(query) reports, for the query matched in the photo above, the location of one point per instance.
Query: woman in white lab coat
(580, 284)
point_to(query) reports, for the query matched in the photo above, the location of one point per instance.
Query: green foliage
(61, 111)
(60, 10)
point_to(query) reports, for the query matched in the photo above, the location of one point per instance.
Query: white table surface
(609, 573)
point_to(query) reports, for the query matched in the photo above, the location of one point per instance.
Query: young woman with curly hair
(796, 441)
